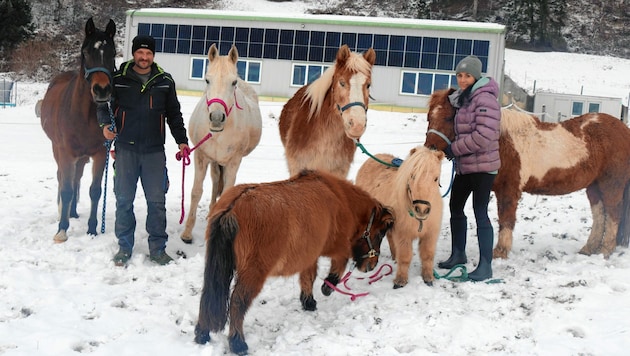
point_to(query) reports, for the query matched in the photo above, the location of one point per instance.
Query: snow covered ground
(61, 299)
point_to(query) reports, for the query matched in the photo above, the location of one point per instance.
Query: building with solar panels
(279, 53)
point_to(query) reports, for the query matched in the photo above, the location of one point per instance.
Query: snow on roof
(325, 19)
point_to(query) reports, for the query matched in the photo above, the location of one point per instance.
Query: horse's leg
(426, 250)
(392, 245)
(404, 254)
(507, 202)
(307, 278)
(98, 165)
(606, 210)
(248, 284)
(65, 176)
(337, 267)
(594, 242)
(201, 168)
(228, 175)
(217, 184)
(76, 184)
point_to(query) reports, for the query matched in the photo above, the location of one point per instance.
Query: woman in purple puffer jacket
(476, 154)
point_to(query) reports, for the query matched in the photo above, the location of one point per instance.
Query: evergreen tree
(536, 22)
(15, 22)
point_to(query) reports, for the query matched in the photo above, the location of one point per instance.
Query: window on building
(577, 108)
(593, 107)
(433, 53)
(249, 71)
(303, 74)
(425, 83)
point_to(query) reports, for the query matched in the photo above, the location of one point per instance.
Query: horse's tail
(623, 232)
(219, 272)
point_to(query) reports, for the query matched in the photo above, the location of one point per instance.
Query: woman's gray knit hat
(470, 65)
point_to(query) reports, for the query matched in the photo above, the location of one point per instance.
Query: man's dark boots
(485, 235)
(458, 244)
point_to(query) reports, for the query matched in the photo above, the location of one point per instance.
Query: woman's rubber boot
(458, 244)
(485, 235)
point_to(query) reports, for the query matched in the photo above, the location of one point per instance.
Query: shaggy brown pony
(279, 229)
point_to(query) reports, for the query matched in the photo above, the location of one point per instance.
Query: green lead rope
(462, 277)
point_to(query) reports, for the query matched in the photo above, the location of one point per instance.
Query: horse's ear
(387, 216)
(412, 151)
(342, 55)
(439, 154)
(233, 55)
(89, 27)
(370, 56)
(111, 28)
(213, 52)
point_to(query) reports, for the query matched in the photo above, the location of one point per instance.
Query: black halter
(366, 235)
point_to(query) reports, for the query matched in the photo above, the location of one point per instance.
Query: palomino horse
(229, 110)
(413, 191)
(279, 229)
(68, 116)
(591, 151)
(320, 123)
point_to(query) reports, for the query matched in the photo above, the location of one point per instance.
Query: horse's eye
(436, 179)
(234, 82)
(369, 85)
(342, 83)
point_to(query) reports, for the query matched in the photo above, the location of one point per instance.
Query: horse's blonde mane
(316, 91)
(417, 163)
(516, 121)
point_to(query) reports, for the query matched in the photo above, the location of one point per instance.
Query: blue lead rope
(108, 146)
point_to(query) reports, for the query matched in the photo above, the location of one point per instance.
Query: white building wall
(276, 74)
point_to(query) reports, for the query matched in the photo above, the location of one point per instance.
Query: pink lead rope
(185, 158)
(371, 279)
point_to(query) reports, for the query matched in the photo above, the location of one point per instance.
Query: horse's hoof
(326, 290)
(500, 253)
(429, 283)
(400, 282)
(585, 251)
(60, 237)
(201, 336)
(238, 345)
(308, 302)
(187, 239)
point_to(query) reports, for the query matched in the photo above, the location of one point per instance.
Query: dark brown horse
(68, 116)
(320, 123)
(280, 229)
(591, 151)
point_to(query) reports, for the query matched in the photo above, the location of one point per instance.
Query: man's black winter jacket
(141, 110)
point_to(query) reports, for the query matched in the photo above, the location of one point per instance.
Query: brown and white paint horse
(590, 151)
(320, 123)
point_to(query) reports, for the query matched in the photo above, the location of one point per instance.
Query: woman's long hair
(464, 97)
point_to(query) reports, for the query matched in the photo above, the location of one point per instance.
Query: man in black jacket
(144, 100)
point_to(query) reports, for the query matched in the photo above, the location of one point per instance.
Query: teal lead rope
(462, 277)
(396, 162)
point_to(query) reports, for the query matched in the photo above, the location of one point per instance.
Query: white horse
(229, 110)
